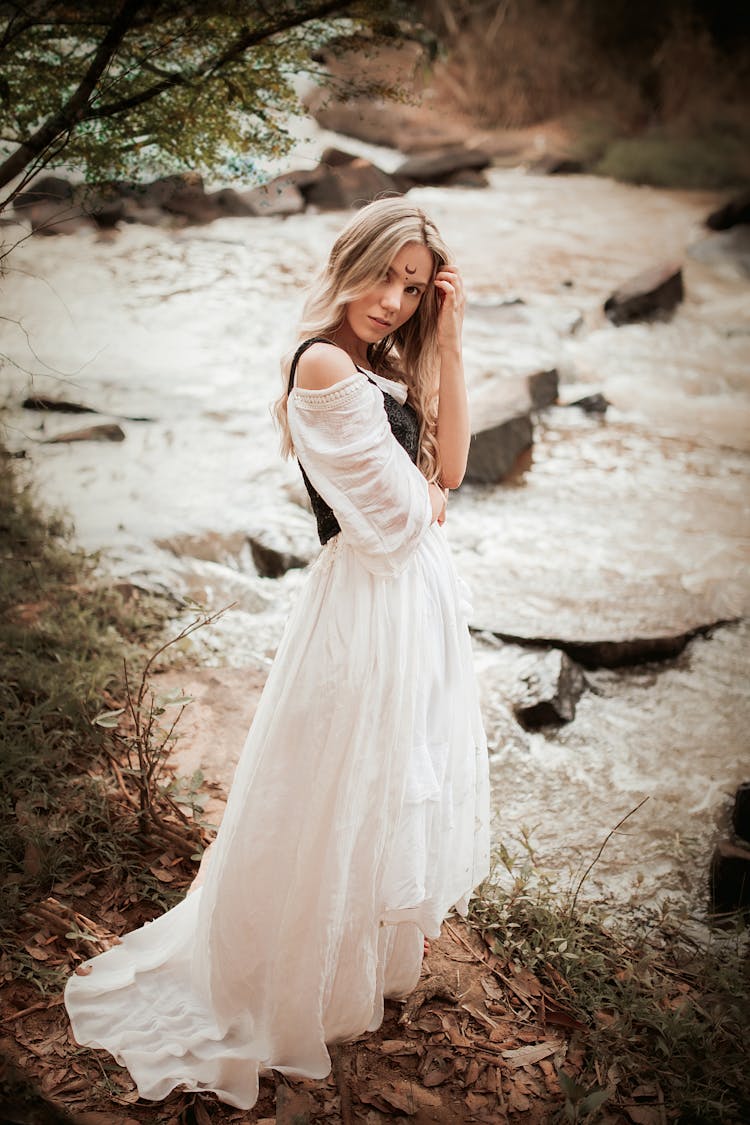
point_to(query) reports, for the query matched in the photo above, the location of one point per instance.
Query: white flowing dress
(358, 815)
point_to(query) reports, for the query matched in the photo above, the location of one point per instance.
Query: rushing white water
(639, 518)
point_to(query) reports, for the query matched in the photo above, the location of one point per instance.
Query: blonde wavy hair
(359, 258)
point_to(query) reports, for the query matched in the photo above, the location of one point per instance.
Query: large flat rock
(600, 620)
(611, 546)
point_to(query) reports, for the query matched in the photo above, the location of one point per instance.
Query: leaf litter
(440, 1058)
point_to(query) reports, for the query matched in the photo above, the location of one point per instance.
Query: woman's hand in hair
(450, 286)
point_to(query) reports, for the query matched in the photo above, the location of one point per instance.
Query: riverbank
(627, 525)
(538, 1004)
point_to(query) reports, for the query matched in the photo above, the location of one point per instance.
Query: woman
(358, 813)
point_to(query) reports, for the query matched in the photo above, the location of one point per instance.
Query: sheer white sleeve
(344, 443)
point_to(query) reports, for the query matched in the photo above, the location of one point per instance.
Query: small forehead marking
(410, 270)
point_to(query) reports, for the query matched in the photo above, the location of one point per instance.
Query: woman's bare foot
(426, 948)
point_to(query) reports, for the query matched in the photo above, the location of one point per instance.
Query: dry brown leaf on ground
(560, 1017)
(437, 1075)
(452, 1030)
(476, 1102)
(397, 1047)
(480, 1016)
(436, 1067)
(429, 1022)
(162, 874)
(492, 989)
(531, 1053)
(391, 1095)
(472, 1073)
(37, 952)
(518, 1101)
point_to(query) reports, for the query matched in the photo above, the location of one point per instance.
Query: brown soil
(478, 1041)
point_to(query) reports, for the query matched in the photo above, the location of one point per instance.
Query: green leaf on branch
(108, 719)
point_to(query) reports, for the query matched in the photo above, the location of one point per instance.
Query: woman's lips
(380, 323)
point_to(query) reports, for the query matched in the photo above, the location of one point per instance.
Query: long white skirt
(357, 818)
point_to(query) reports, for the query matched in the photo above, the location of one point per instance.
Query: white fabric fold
(344, 443)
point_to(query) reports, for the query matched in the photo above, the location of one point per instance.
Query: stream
(628, 524)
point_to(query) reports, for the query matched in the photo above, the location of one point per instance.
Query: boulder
(156, 202)
(193, 205)
(543, 388)
(377, 121)
(591, 404)
(501, 423)
(653, 294)
(57, 405)
(155, 193)
(729, 879)
(335, 157)
(231, 203)
(105, 207)
(47, 189)
(741, 812)
(438, 165)
(549, 688)
(108, 431)
(359, 68)
(152, 216)
(342, 186)
(496, 446)
(466, 178)
(556, 165)
(57, 217)
(736, 211)
(615, 652)
(271, 558)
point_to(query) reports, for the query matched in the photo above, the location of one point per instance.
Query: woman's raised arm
(453, 430)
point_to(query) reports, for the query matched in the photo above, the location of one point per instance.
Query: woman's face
(393, 299)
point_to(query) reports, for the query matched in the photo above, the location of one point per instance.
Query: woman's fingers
(450, 283)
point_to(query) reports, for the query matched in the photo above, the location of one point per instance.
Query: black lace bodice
(404, 423)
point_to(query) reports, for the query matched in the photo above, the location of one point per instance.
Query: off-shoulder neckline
(339, 384)
(389, 386)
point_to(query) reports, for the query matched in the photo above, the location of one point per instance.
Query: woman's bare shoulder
(323, 365)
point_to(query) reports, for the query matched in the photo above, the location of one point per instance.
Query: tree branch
(74, 109)
(241, 44)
